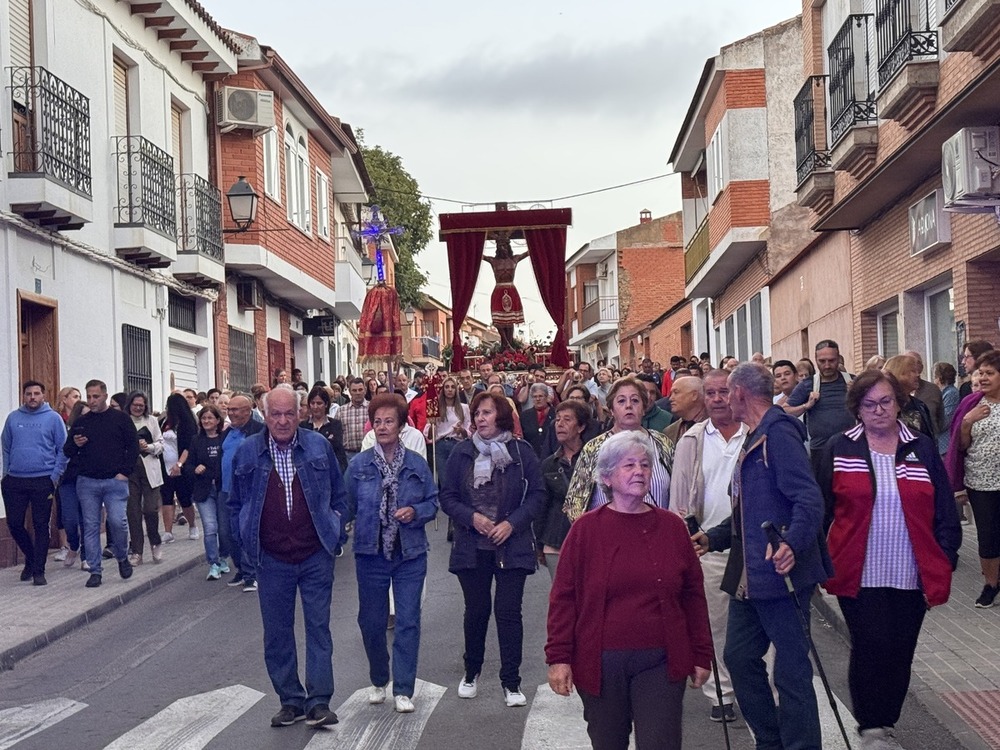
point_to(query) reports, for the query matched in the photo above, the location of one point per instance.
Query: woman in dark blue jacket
(493, 491)
(391, 496)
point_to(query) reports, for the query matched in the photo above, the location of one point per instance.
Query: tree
(398, 195)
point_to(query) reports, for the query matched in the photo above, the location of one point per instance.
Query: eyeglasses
(873, 406)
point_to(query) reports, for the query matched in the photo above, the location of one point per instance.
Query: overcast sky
(523, 101)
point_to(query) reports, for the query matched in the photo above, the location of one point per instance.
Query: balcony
(697, 252)
(145, 216)
(853, 111)
(907, 61)
(970, 26)
(200, 253)
(50, 161)
(814, 177)
(598, 319)
(430, 346)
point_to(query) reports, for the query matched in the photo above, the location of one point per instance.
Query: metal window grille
(809, 157)
(137, 358)
(200, 217)
(146, 194)
(904, 33)
(852, 100)
(242, 360)
(181, 313)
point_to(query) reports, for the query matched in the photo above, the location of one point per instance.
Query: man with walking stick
(772, 482)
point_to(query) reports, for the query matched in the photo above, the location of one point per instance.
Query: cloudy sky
(523, 101)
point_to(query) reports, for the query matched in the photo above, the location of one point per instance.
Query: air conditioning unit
(248, 296)
(970, 162)
(245, 108)
(602, 270)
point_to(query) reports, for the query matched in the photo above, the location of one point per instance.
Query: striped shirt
(889, 559)
(284, 465)
(353, 419)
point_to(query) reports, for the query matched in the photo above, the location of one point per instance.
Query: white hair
(615, 448)
(299, 396)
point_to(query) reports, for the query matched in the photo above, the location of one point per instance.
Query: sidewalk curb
(965, 736)
(10, 656)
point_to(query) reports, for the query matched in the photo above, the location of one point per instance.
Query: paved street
(180, 666)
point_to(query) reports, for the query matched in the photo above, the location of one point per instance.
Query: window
(272, 183)
(120, 95)
(741, 334)
(756, 324)
(716, 155)
(888, 333)
(322, 205)
(940, 317)
(242, 360)
(590, 292)
(137, 358)
(297, 177)
(302, 175)
(181, 313)
(730, 337)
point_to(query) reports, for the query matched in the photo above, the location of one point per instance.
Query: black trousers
(986, 509)
(20, 494)
(884, 625)
(477, 588)
(635, 689)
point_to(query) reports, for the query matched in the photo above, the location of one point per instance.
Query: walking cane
(718, 695)
(775, 539)
(434, 450)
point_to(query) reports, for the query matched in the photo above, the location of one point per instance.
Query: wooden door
(275, 359)
(38, 325)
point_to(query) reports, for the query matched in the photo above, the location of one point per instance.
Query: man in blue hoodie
(773, 482)
(33, 462)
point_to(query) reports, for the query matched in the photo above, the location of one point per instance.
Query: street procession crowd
(685, 516)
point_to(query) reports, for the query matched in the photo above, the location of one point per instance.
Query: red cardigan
(579, 595)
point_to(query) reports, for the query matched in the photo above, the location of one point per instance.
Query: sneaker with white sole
(214, 574)
(60, 556)
(194, 535)
(249, 585)
(468, 688)
(71, 559)
(376, 694)
(224, 567)
(134, 559)
(85, 566)
(514, 698)
(167, 538)
(403, 704)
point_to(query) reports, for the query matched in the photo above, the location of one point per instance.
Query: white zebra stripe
(19, 723)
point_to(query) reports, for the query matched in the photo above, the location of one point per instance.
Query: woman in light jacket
(391, 496)
(146, 479)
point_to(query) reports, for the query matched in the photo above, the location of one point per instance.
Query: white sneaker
(376, 694)
(70, 560)
(61, 554)
(167, 538)
(403, 704)
(157, 553)
(194, 534)
(879, 738)
(85, 566)
(514, 698)
(468, 689)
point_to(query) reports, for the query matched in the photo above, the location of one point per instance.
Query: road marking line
(556, 723)
(366, 727)
(19, 723)
(190, 723)
(832, 739)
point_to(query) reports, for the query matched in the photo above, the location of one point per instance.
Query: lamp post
(367, 270)
(410, 314)
(242, 199)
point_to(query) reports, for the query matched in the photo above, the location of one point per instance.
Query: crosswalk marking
(190, 723)
(19, 723)
(366, 727)
(556, 723)
(832, 739)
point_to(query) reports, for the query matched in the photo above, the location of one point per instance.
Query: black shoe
(986, 598)
(26, 574)
(320, 715)
(181, 521)
(125, 568)
(108, 553)
(236, 580)
(39, 579)
(249, 585)
(723, 713)
(94, 581)
(287, 716)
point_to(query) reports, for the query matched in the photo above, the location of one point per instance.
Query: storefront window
(940, 317)
(888, 334)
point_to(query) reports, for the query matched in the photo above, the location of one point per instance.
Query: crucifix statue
(505, 302)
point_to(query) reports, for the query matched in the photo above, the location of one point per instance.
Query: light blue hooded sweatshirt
(33, 443)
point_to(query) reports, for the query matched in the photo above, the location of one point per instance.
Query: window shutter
(121, 98)
(20, 33)
(175, 137)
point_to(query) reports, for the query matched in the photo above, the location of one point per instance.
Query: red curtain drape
(547, 250)
(465, 257)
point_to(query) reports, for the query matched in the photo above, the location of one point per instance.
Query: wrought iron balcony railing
(809, 156)
(949, 4)
(51, 128)
(146, 194)
(904, 33)
(852, 100)
(200, 217)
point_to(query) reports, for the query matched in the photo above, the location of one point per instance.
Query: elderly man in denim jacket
(290, 497)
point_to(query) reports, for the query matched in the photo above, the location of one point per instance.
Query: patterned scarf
(390, 492)
(492, 455)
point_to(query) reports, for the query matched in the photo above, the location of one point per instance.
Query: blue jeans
(208, 509)
(753, 626)
(278, 583)
(228, 540)
(375, 573)
(69, 504)
(113, 495)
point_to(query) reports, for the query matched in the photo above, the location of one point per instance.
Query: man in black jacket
(105, 443)
(537, 418)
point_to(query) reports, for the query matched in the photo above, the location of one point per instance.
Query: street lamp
(410, 314)
(242, 200)
(367, 270)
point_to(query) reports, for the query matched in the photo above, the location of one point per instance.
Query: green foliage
(398, 195)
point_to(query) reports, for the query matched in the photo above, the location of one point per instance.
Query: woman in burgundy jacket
(894, 543)
(628, 622)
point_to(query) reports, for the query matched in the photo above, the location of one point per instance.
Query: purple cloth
(954, 460)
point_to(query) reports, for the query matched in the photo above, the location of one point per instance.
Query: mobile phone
(692, 524)
(74, 431)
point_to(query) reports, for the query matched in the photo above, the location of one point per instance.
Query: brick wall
(743, 286)
(650, 270)
(668, 337)
(744, 203)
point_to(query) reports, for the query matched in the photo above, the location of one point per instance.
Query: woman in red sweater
(628, 622)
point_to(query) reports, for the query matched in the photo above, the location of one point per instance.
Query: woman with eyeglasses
(973, 350)
(893, 540)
